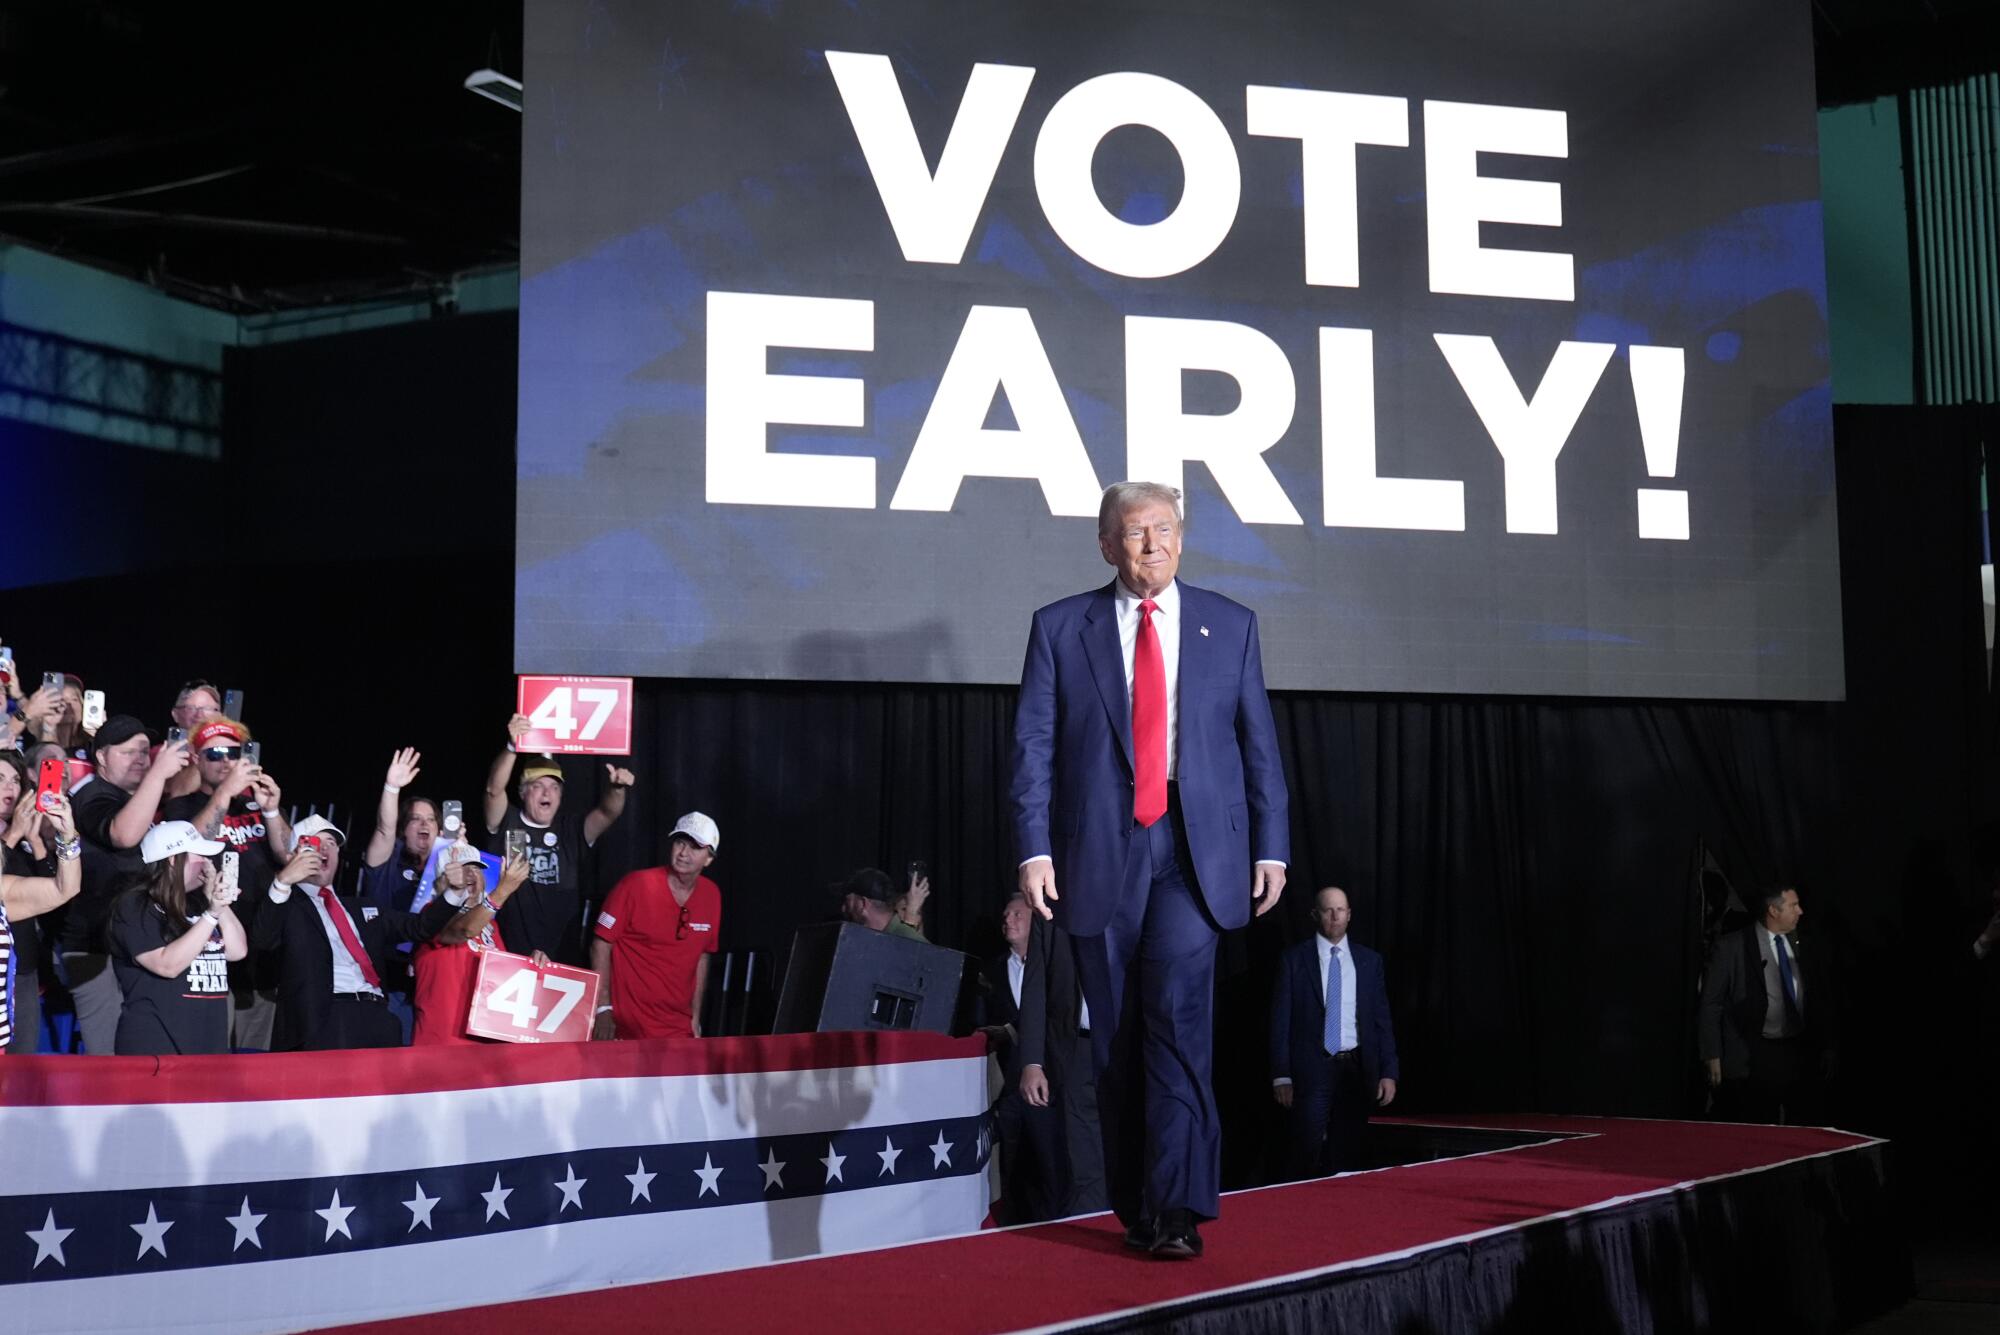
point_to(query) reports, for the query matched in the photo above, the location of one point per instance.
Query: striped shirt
(6, 981)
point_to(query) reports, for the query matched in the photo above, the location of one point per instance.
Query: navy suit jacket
(1073, 777)
(1298, 1016)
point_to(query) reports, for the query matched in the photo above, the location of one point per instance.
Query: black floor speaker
(844, 976)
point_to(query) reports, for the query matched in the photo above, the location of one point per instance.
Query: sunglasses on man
(222, 753)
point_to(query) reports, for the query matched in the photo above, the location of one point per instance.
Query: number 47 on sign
(589, 716)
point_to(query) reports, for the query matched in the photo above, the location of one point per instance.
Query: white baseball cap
(462, 851)
(175, 836)
(317, 825)
(698, 828)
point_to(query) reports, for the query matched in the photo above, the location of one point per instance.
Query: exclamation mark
(1658, 376)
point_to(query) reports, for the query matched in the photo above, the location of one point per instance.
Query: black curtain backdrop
(1526, 865)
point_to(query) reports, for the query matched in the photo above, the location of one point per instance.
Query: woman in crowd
(447, 966)
(172, 939)
(24, 896)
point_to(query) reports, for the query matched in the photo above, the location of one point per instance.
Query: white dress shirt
(347, 976)
(1017, 970)
(1167, 622)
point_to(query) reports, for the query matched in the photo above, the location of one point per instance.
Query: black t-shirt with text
(547, 912)
(188, 1013)
(243, 833)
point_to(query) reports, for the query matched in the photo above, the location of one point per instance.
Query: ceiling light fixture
(495, 87)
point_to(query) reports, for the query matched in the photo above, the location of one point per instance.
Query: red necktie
(345, 927)
(1149, 721)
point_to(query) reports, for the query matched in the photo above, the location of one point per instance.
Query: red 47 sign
(587, 716)
(515, 1002)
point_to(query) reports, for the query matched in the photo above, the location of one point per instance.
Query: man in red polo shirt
(654, 938)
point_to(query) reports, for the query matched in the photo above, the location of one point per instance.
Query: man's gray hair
(1122, 496)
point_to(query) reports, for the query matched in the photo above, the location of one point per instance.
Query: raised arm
(609, 807)
(403, 772)
(26, 896)
(129, 826)
(500, 777)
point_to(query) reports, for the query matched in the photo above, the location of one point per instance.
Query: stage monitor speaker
(844, 976)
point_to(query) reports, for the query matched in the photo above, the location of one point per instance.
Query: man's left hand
(1266, 884)
(1385, 1092)
(620, 778)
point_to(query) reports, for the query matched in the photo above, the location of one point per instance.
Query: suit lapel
(1107, 665)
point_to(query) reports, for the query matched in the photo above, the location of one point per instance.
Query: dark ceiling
(261, 157)
(277, 156)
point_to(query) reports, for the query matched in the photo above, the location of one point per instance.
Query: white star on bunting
(152, 1233)
(709, 1175)
(335, 1215)
(572, 1189)
(246, 1225)
(642, 1182)
(940, 1151)
(420, 1210)
(773, 1169)
(833, 1162)
(496, 1200)
(48, 1240)
(888, 1154)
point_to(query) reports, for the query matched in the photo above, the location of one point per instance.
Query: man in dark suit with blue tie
(1333, 1046)
(1150, 814)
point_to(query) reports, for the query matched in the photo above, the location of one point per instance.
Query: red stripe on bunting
(86, 1081)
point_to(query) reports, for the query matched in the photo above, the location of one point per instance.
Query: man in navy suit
(1147, 785)
(1333, 1048)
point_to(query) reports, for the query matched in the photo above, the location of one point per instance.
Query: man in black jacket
(1030, 1134)
(1056, 1068)
(1766, 1020)
(333, 950)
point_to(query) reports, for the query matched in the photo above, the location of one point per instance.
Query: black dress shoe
(1177, 1239)
(1139, 1237)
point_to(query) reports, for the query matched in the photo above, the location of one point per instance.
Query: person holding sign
(549, 916)
(172, 941)
(447, 966)
(654, 938)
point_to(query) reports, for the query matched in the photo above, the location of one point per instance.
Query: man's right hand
(1038, 885)
(604, 1027)
(1035, 1086)
(302, 868)
(517, 728)
(1714, 1071)
(1283, 1094)
(172, 759)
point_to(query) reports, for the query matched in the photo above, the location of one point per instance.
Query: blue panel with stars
(87, 1234)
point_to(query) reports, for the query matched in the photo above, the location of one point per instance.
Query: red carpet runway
(1454, 1239)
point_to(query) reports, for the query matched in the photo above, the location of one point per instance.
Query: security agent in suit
(1150, 815)
(1333, 1045)
(1057, 1069)
(1766, 1020)
(328, 996)
(1029, 1131)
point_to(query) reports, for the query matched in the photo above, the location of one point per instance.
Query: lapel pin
(1204, 630)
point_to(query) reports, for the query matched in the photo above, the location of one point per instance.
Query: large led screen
(1487, 340)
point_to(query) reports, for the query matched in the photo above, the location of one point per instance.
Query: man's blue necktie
(1331, 1037)
(1785, 975)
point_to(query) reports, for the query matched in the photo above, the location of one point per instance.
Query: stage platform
(1572, 1224)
